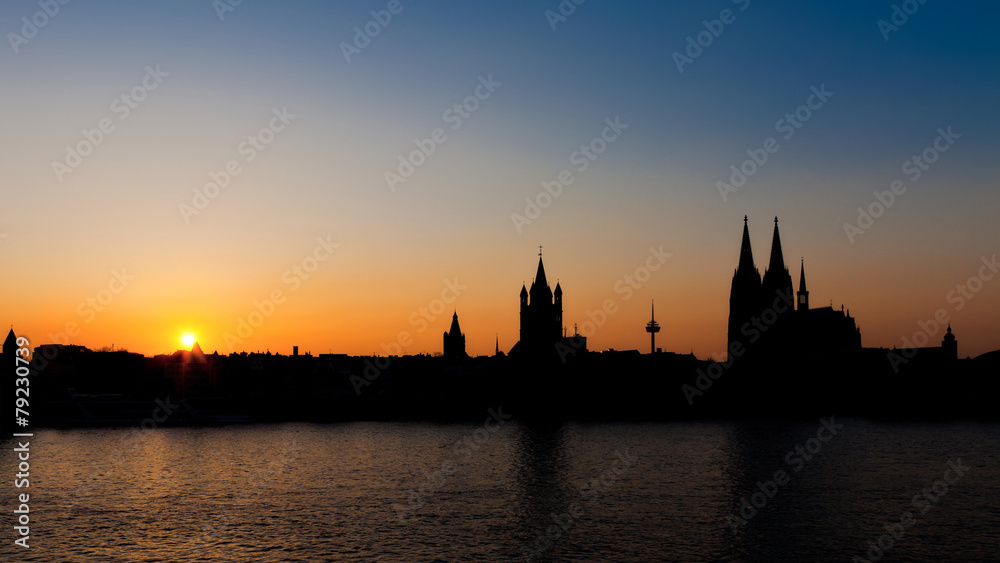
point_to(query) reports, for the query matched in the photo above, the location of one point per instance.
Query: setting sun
(188, 339)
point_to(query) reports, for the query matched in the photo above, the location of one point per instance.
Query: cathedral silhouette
(767, 319)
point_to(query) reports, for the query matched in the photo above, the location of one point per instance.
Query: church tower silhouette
(541, 315)
(777, 281)
(744, 295)
(950, 345)
(803, 294)
(7, 396)
(454, 340)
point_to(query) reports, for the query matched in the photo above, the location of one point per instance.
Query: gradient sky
(324, 174)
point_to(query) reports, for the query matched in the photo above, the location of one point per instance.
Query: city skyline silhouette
(509, 280)
(775, 282)
(775, 337)
(202, 192)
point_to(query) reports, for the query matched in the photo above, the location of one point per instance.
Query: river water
(506, 491)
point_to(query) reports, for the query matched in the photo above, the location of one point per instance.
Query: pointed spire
(540, 274)
(777, 262)
(558, 289)
(497, 352)
(524, 290)
(10, 343)
(746, 254)
(802, 276)
(455, 329)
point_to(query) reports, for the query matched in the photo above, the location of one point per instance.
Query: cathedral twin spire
(746, 253)
(776, 264)
(777, 279)
(750, 294)
(777, 283)
(752, 297)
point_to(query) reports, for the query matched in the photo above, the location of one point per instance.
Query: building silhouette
(542, 322)
(454, 340)
(9, 393)
(10, 344)
(947, 352)
(802, 295)
(652, 327)
(541, 315)
(744, 295)
(192, 372)
(949, 345)
(767, 320)
(777, 281)
(786, 348)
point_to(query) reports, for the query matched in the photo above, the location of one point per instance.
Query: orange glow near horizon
(405, 307)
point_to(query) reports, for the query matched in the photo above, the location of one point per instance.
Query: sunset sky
(198, 80)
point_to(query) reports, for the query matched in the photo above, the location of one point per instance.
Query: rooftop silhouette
(779, 347)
